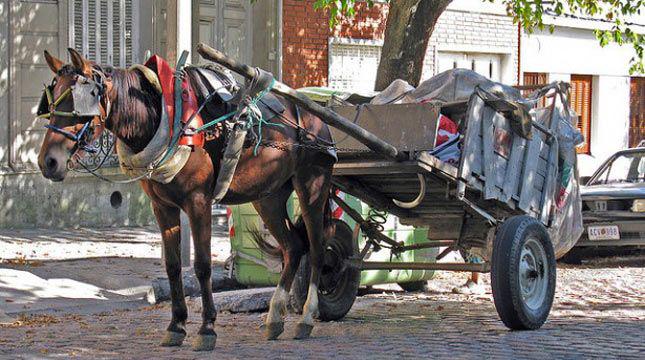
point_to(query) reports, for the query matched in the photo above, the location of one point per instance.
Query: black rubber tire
(334, 302)
(505, 278)
(414, 286)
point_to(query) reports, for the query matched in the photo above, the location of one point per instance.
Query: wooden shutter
(535, 78)
(636, 111)
(103, 30)
(581, 103)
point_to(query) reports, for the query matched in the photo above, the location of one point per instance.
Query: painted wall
(609, 121)
(575, 50)
(26, 198)
(4, 83)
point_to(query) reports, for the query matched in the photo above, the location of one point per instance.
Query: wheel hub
(533, 273)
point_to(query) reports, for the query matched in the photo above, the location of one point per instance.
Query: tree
(410, 24)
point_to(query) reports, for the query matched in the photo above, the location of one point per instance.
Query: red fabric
(189, 106)
(446, 128)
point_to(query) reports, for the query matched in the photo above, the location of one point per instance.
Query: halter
(86, 94)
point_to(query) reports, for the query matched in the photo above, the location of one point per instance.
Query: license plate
(607, 232)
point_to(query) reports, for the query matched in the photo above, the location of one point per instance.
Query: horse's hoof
(303, 331)
(273, 330)
(204, 342)
(173, 339)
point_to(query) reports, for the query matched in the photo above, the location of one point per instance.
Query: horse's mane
(136, 108)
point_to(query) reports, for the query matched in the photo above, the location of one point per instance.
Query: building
(287, 37)
(469, 34)
(118, 32)
(610, 102)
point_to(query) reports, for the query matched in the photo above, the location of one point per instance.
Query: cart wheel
(523, 273)
(338, 282)
(414, 286)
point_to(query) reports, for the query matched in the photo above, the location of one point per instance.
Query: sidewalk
(82, 270)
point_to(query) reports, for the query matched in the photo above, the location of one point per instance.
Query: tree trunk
(409, 26)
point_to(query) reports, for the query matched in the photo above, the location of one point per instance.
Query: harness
(250, 108)
(87, 95)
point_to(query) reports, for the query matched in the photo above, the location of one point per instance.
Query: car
(613, 202)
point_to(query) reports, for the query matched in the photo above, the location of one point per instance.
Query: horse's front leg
(199, 212)
(168, 220)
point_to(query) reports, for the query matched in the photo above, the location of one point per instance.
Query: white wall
(609, 121)
(571, 50)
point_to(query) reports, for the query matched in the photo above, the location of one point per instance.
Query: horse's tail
(299, 228)
(265, 246)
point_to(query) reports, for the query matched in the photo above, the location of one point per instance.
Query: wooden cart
(497, 202)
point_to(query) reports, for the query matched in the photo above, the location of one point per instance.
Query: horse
(130, 108)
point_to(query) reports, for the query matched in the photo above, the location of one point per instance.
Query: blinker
(87, 98)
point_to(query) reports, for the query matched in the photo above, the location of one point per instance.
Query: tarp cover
(450, 85)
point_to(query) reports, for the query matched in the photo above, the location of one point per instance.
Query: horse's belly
(258, 177)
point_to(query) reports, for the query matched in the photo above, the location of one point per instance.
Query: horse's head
(76, 107)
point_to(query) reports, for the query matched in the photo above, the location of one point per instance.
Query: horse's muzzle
(52, 168)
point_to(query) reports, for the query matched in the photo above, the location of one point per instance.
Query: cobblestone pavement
(599, 313)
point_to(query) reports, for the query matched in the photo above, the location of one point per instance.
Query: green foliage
(611, 15)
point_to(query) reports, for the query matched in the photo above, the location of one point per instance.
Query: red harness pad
(189, 100)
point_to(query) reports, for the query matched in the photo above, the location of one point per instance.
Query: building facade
(114, 32)
(608, 100)
(294, 41)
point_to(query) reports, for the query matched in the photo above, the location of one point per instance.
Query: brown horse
(131, 110)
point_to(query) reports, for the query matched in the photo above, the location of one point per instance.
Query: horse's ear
(79, 62)
(54, 63)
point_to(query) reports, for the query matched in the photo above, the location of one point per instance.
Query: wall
(464, 29)
(468, 26)
(609, 121)
(305, 39)
(4, 83)
(573, 49)
(26, 198)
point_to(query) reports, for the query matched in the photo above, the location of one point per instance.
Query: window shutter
(102, 30)
(581, 103)
(636, 111)
(535, 78)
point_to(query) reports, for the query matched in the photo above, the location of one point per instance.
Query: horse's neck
(135, 109)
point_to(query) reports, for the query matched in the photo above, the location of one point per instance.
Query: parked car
(613, 202)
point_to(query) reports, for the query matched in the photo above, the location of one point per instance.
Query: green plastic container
(252, 267)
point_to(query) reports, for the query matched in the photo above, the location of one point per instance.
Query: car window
(625, 168)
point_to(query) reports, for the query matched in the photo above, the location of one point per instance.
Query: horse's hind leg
(312, 185)
(168, 220)
(199, 213)
(273, 211)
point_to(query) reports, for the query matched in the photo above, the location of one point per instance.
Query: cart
(497, 202)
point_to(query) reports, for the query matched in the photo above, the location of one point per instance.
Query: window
(353, 66)
(534, 78)
(104, 31)
(581, 104)
(487, 65)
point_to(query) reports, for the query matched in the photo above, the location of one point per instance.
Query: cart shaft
(326, 115)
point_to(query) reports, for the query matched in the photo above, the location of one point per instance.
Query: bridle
(87, 95)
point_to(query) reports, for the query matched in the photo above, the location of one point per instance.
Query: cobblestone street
(599, 313)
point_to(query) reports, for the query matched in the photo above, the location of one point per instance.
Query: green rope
(260, 119)
(215, 122)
